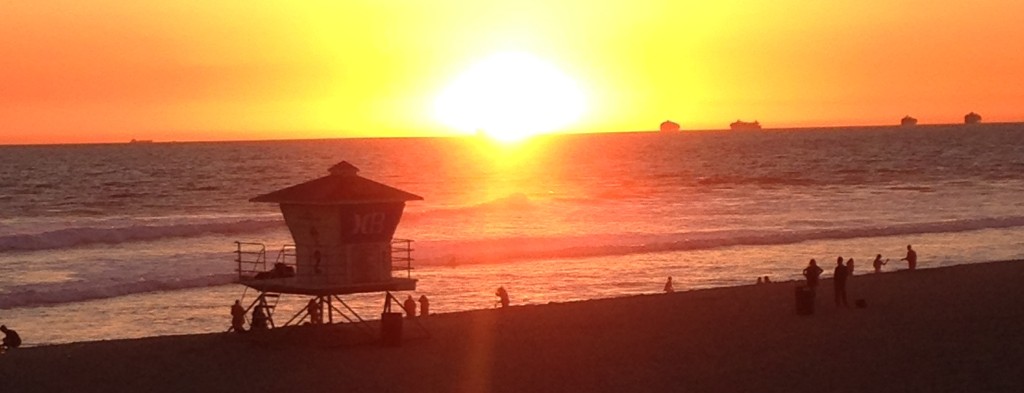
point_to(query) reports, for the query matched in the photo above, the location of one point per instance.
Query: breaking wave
(36, 295)
(80, 236)
(506, 250)
(459, 252)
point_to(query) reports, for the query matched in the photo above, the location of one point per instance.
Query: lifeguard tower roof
(342, 186)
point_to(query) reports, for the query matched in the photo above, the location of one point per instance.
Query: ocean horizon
(765, 128)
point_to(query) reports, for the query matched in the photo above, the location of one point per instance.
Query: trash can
(804, 300)
(391, 329)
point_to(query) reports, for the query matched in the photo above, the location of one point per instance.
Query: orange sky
(113, 70)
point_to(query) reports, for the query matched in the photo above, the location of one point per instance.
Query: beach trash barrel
(391, 329)
(804, 300)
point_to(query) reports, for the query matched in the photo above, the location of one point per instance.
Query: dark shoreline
(954, 328)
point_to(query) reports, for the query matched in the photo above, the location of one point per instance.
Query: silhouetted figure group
(260, 319)
(911, 259)
(409, 305)
(11, 339)
(842, 273)
(314, 309)
(840, 277)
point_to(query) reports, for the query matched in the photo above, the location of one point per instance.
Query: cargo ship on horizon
(669, 126)
(742, 125)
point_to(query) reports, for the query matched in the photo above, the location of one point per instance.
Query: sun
(510, 96)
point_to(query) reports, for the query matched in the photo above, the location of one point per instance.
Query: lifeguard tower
(342, 225)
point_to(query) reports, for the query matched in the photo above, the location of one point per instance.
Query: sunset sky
(113, 70)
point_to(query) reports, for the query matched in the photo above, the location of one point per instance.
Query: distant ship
(972, 118)
(669, 126)
(742, 125)
(908, 121)
(141, 141)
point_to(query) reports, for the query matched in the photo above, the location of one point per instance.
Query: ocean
(132, 240)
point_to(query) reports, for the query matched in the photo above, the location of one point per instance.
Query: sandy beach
(952, 329)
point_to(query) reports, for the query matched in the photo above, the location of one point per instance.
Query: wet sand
(954, 329)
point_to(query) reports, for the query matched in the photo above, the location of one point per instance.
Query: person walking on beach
(668, 285)
(424, 305)
(11, 338)
(911, 258)
(238, 317)
(502, 295)
(878, 263)
(812, 272)
(839, 277)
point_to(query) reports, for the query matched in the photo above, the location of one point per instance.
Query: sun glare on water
(509, 97)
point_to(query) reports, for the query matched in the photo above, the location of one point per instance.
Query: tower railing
(286, 255)
(251, 259)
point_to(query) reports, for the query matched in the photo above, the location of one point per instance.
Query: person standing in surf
(911, 258)
(878, 263)
(502, 295)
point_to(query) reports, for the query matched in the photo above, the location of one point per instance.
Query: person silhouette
(849, 267)
(911, 258)
(668, 285)
(812, 272)
(11, 338)
(316, 317)
(839, 277)
(238, 317)
(877, 263)
(502, 295)
(424, 305)
(410, 307)
(259, 319)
